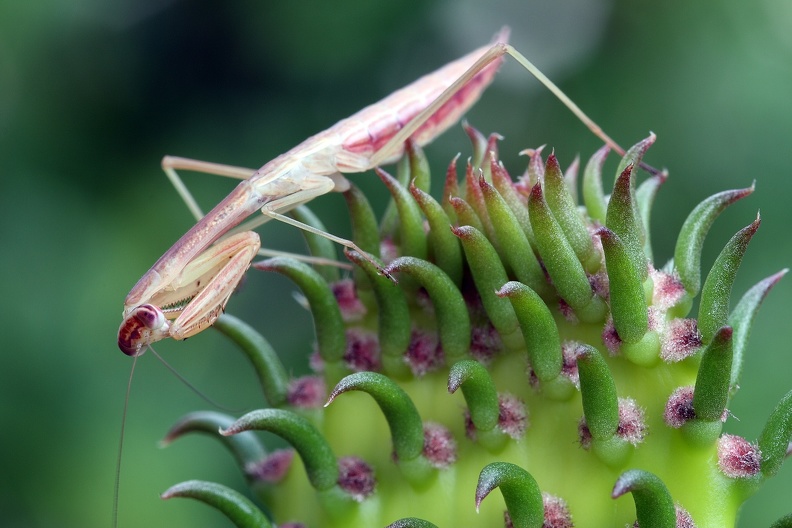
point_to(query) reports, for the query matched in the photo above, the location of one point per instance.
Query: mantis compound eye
(149, 315)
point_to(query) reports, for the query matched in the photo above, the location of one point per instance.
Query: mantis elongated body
(188, 287)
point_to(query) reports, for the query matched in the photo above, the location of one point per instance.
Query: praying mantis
(188, 287)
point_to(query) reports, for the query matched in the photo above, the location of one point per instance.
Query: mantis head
(142, 326)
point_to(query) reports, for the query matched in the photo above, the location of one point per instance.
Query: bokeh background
(94, 92)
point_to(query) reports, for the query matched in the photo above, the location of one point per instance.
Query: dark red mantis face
(143, 325)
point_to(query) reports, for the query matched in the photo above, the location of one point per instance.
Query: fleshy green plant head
(518, 335)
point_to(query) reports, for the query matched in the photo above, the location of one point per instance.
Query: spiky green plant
(513, 338)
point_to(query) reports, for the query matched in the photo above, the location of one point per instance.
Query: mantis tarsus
(187, 288)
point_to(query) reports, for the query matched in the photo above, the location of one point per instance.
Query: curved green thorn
(711, 392)
(330, 329)
(246, 447)
(565, 211)
(403, 419)
(542, 340)
(412, 237)
(560, 260)
(601, 408)
(444, 246)
(238, 508)
(593, 194)
(465, 213)
(365, 230)
(635, 154)
(272, 374)
(627, 298)
(389, 223)
(395, 324)
(644, 199)
(716, 292)
(513, 243)
(489, 275)
(598, 394)
(624, 220)
(453, 320)
(775, 437)
(571, 179)
(520, 493)
(479, 391)
(319, 461)
(450, 188)
(653, 503)
(687, 254)
(478, 143)
(536, 166)
(420, 175)
(741, 319)
(503, 182)
(475, 198)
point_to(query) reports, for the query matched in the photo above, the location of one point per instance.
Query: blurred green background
(93, 93)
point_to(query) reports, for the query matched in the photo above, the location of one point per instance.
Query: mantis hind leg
(494, 53)
(170, 164)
